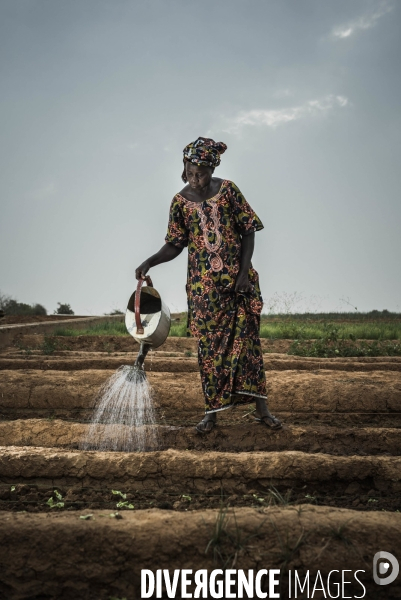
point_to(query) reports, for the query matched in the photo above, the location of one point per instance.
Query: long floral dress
(225, 323)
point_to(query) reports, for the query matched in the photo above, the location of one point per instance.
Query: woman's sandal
(206, 425)
(269, 420)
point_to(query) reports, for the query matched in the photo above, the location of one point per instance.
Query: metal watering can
(148, 320)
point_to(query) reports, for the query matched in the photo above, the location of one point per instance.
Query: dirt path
(22, 319)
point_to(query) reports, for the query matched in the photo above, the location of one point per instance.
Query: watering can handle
(139, 328)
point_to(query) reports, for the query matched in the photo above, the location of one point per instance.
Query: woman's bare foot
(207, 423)
(263, 415)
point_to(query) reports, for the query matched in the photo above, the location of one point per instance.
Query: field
(324, 492)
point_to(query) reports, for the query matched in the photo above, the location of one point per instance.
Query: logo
(385, 563)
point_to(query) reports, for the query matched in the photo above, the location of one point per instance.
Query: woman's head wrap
(205, 152)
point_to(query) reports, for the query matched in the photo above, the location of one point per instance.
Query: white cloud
(366, 21)
(275, 117)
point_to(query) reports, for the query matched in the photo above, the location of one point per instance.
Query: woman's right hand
(141, 271)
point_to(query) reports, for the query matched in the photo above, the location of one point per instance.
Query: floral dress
(225, 323)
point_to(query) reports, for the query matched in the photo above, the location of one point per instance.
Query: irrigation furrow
(242, 437)
(185, 471)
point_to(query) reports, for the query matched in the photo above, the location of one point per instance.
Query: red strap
(139, 328)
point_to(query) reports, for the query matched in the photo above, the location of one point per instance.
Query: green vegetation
(308, 329)
(10, 306)
(63, 309)
(108, 328)
(179, 328)
(123, 503)
(291, 327)
(345, 348)
(373, 315)
(332, 343)
(373, 334)
(52, 503)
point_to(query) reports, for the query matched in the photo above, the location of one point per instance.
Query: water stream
(124, 417)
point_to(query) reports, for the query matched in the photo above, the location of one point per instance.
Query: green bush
(10, 306)
(63, 309)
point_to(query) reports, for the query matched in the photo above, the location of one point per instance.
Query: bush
(10, 306)
(39, 309)
(64, 309)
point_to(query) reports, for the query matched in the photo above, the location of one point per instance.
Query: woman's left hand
(243, 284)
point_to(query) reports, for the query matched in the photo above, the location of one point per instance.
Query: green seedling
(86, 517)
(372, 500)
(117, 493)
(12, 488)
(125, 504)
(115, 515)
(52, 503)
(185, 497)
(258, 498)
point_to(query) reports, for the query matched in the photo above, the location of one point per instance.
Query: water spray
(124, 417)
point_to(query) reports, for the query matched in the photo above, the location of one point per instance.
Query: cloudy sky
(99, 97)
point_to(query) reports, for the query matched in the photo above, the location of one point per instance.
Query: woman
(212, 218)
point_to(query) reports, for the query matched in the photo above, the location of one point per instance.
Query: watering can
(147, 319)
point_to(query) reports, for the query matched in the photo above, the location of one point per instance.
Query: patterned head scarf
(204, 151)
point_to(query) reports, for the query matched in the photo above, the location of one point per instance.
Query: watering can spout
(143, 350)
(137, 373)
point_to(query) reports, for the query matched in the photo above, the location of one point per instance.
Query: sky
(99, 97)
